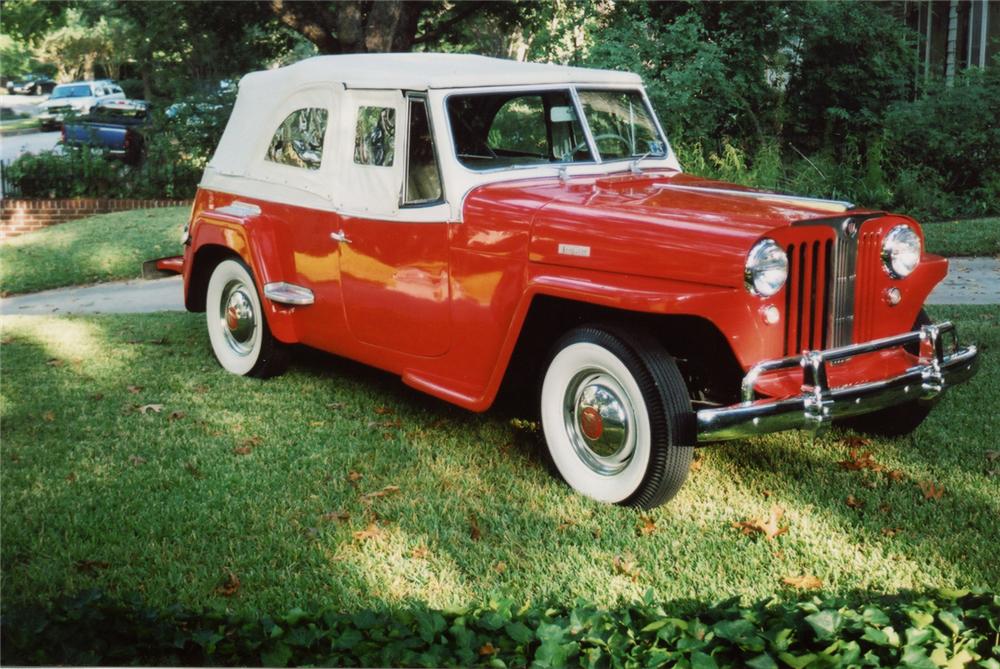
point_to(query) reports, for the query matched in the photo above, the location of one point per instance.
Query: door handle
(339, 236)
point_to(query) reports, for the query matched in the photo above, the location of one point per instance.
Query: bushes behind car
(178, 145)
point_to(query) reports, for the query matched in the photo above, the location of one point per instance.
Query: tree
(363, 26)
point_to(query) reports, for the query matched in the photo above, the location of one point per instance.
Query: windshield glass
(621, 125)
(78, 91)
(515, 129)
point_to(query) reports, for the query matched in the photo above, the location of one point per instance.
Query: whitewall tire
(616, 416)
(237, 326)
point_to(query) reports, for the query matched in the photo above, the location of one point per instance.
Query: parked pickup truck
(115, 125)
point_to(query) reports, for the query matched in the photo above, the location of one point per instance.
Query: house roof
(421, 71)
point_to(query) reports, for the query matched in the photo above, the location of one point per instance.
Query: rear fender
(214, 235)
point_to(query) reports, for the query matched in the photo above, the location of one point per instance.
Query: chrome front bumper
(819, 404)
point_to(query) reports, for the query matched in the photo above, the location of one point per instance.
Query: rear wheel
(237, 327)
(901, 419)
(617, 418)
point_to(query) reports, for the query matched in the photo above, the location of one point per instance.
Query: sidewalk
(969, 281)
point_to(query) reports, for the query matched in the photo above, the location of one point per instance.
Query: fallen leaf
(367, 498)
(230, 586)
(335, 406)
(474, 531)
(71, 477)
(317, 423)
(891, 531)
(242, 450)
(565, 525)
(597, 533)
(176, 415)
(855, 441)
(895, 475)
(884, 508)
(696, 465)
(373, 531)
(769, 528)
(803, 582)
(419, 553)
(647, 525)
(250, 442)
(766, 493)
(339, 516)
(146, 408)
(354, 476)
(54, 362)
(97, 397)
(383, 411)
(858, 460)
(90, 566)
(48, 416)
(201, 389)
(136, 460)
(135, 390)
(500, 567)
(931, 490)
(855, 503)
(992, 455)
(625, 566)
(193, 470)
(487, 649)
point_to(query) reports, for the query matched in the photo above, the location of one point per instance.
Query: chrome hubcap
(237, 316)
(600, 421)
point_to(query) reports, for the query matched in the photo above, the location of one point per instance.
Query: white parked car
(78, 97)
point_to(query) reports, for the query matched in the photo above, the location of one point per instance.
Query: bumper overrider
(819, 405)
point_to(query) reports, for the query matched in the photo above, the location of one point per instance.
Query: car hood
(667, 225)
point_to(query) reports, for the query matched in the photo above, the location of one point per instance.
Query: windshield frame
(596, 158)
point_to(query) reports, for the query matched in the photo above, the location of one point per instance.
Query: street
(11, 147)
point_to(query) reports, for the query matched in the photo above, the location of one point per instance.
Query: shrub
(948, 627)
(950, 140)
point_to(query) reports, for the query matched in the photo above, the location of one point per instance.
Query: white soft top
(343, 85)
(423, 71)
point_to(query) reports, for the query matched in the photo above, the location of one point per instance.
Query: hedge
(944, 628)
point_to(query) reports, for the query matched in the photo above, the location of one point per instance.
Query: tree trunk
(949, 70)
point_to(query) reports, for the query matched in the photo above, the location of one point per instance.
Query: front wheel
(616, 416)
(237, 327)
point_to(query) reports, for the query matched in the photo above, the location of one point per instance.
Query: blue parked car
(114, 125)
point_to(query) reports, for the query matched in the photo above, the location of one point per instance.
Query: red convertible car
(467, 222)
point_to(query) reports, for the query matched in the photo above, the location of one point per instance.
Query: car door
(395, 234)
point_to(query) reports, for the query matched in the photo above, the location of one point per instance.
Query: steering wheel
(607, 135)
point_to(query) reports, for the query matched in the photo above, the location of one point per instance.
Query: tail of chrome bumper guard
(819, 405)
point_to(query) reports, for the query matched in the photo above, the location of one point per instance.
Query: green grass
(252, 481)
(979, 237)
(18, 125)
(100, 248)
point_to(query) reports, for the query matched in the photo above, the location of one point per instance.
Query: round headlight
(901, 251)
(767, 268)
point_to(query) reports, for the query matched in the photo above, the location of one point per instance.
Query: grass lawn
(979, 237)
(99, 248)
(132, 462)
(17, 124)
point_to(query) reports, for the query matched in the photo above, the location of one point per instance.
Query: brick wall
(18, 216)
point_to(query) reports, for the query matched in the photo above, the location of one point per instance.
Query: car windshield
(530, 128)
(621, 125)
(78, 91)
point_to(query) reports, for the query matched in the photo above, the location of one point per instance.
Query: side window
(375, 137)
(299, 139)
(519, 128)
(423, 181)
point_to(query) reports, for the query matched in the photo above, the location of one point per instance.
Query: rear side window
(423, 182)
(298, 142)
(375, 136)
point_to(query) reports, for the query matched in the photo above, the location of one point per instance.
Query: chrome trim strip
(827, 205)
(288, 293)
(819, 405)
(240, 209)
